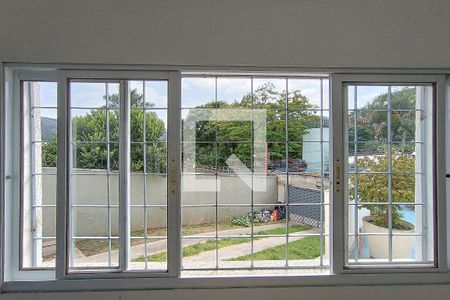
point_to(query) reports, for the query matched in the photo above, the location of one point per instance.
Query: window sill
(226, 282)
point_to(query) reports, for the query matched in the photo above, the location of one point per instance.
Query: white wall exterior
(92, 190)
(302, 33)
(311, 152)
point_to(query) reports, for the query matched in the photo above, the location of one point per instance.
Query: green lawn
(211, 244)
(93, 247)
(306, 248)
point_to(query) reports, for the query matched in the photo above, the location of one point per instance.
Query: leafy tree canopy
(373, 187)
(216, 140)
(372, 123)
(90, 135)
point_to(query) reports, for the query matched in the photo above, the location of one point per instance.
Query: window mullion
(63, 169)
(174, 176)
(337, 221)
(389, 154)
(124, 176)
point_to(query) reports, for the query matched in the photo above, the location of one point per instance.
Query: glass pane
(372, 97)
(157, 189)
(198, 220)
(198, 92)
(199, 125)
(156, 94)
(405, 97)
(234, 221)
(88, 94)
(148, 238)
(404, 126)
(148, 179)
(275, 157)
(234, 131)
(269, 93)
(94, 175)
(156, 158)
(47, 95)
(95, 237)
(156, 125)
(112, 91)
(39, 150)
(136, 89)
(234, 189)
(233, 252)
(304, 94)
(242, 166)
(199, 253)
(198, 189)
(386, 162)
(234, 92)
(273, 256)
(89, 125)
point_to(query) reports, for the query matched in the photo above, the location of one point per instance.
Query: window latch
(337, 175)
(173, 181)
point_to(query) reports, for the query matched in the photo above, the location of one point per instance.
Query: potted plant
(373, 187)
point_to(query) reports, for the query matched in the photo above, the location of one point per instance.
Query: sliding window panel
(390, 191)
(38, 193)
(149, 171)
(93, 176)
(120, 185)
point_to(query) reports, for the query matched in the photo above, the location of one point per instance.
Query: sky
(198, 91)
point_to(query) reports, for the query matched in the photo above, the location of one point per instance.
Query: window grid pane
(94, 175)
(149, 175)
(221, 203)
(39, 115)
(388, 194)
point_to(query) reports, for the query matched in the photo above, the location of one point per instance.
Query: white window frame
(14, 234)
(339, 115)
(173, 173)
(339, 275)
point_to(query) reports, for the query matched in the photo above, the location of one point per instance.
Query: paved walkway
(206, 257)
(161, 246)
(245, 248)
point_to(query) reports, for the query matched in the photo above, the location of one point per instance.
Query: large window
(153, 174)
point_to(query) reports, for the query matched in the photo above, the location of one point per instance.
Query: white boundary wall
(92, 190)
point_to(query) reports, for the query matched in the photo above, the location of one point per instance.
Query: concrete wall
(302, 33)
(92, 190)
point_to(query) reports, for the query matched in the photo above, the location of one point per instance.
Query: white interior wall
(297, 33)
(346, 33)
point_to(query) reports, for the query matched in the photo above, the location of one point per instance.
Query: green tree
(89, 134)
(372, 123)
(234, 137)
(373, 187)
(49, 152)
